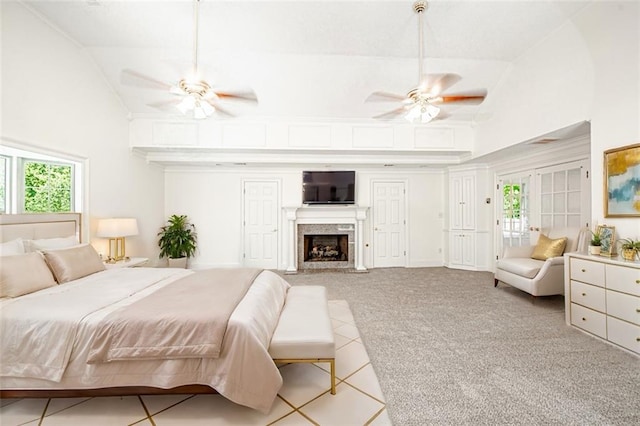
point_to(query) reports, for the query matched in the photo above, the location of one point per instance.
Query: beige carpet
(449, 348)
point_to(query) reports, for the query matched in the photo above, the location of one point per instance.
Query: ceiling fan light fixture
(422, 113)
(188, 104)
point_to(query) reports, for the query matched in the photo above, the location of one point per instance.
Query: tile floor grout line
(144, 407)
(44, 412)
(173, 405)
(295, 410)
(375, 416)
(365, 393)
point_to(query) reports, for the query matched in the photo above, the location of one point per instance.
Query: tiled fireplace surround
(325, 220)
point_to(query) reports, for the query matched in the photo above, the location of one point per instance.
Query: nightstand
(131, 263)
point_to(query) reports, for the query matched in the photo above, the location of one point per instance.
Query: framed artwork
(607, 237)
(622, 182)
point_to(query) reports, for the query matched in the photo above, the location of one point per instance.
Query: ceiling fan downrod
(419, 7)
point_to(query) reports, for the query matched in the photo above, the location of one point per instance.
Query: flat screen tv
(328, 187)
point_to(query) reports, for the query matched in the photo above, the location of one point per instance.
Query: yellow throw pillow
(546, 247)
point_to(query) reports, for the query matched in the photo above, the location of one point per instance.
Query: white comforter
(244, 372)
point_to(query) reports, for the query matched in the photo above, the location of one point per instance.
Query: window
(47, 186)
(39, 182)
(5, 169)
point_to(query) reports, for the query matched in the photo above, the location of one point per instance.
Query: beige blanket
(187, 319)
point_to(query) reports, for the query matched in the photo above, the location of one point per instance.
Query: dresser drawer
(623, 306)
(589, 320)
(587, 271)
(623, 278)
(588, 295)
(624, 334)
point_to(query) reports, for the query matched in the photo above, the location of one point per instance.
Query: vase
(594, 249)
(180, 262)
(628, 254)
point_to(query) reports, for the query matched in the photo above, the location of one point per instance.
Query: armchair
(539, 277)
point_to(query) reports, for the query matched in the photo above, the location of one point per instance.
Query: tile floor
(303, 400)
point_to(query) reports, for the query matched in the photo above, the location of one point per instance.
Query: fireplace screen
(326, 248)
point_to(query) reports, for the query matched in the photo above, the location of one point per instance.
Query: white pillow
(11, 248)
(24, 274)
(51, 243)
(72, 263)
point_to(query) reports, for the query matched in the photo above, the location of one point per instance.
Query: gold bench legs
(331, 361)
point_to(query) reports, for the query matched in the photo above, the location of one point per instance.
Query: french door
(550, 197)
(260, 224)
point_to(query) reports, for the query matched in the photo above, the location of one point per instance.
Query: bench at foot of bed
(304, 332)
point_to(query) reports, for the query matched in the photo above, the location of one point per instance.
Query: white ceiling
(306, 59)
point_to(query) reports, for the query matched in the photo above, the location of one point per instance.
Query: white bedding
(244, 372)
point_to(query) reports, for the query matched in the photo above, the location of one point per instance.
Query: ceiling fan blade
(133, 78)
(471, 98)
(385, 97)
(391, 114)
(240, 95)
(438, 83)
(167, 105)
(218, 109)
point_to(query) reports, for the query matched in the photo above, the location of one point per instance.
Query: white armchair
(539, 277)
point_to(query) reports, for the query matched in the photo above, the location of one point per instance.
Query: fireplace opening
(326, 248)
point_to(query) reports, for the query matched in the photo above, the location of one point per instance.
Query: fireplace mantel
(338, 214)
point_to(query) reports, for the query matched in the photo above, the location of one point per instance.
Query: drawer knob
(584, 319)
(583, 270)
(637, 339)
(637, 281)
(584, 294)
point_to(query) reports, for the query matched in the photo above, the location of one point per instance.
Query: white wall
(212, 199)
(587, 70)
(55, 99)
(612, 34)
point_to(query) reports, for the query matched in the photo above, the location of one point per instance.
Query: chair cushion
(522, 266)
(546, 247)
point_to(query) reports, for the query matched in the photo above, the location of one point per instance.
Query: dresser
(602, 297)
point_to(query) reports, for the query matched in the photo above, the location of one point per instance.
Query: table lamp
(116, 229)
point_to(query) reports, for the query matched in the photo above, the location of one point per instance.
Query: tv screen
(328, 187)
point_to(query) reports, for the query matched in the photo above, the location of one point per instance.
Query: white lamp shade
(117, 227)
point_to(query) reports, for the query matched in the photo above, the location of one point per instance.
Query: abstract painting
(622, 182)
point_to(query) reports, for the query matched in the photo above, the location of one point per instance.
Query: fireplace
(326, 248)
(341, 225)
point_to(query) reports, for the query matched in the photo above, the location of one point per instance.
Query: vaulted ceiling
(306, 60)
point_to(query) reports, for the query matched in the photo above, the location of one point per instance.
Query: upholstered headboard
(39, 225)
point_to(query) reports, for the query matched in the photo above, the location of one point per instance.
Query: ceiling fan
(193, 95)
(420, 105)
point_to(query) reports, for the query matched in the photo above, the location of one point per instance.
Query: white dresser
(602, 297)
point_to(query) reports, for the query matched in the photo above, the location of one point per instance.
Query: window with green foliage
(4, 177)
(47, 186)
(511, 199)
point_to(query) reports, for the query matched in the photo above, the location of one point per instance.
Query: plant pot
(628, 254)
(594, 249)
(180, 262)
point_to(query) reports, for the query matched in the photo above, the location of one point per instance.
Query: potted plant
(178, 241)
(595, 243)
(630, 248)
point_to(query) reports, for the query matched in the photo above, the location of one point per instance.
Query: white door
(261, 224)
(564, 194)
(514, 211)
(389, 224)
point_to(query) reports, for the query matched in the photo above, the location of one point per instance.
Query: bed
(74, 336)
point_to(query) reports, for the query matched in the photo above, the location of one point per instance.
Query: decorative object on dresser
(602, 297)
(607, 240)
(178, 241)
(115, 229)
(539, 269)
(595, 243)
(630, 248)
(621, 177)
